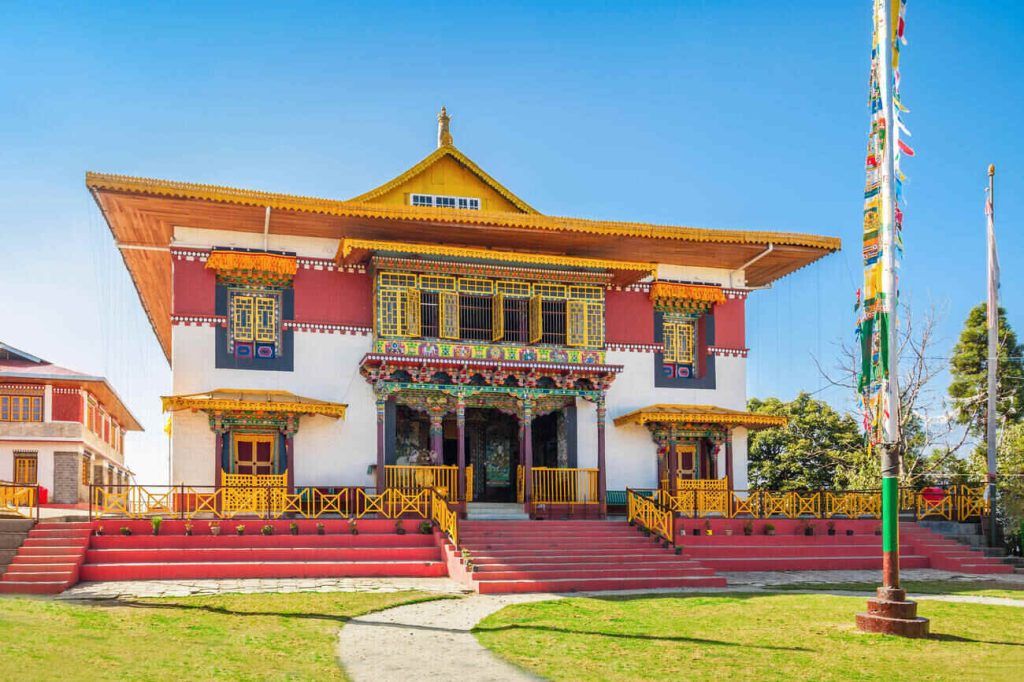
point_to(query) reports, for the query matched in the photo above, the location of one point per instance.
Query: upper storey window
(255, 323)
(444, 201)
(478, 309)
(21, 408)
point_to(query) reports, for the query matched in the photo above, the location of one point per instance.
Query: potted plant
(293, 528)
(831, 527)
(808, 528)
(748, 527)
(707, 527)
(267, 529)
(849, 531)
(214, 528)
(99, 530)
(467, 560)
(156, 521)
(319, 528)
(399, 530)
(352, 527)
(696, 531)
(188, 528)
(426, 527)
(878, 530)
(125, 530)
(240, 529)
(769, 529)
(728, 530)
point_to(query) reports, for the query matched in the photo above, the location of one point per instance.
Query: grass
(974, 588)
(290, 636)
(750, 637)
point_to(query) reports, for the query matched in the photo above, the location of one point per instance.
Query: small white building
(60, 429)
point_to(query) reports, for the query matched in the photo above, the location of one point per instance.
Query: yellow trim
(347, 246)
(254, 439)
(274, 263)
(354, 209)
(698, 414)
(430, 160)
(289, 403)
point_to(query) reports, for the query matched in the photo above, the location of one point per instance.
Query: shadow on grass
(938, 637)
(649, 638)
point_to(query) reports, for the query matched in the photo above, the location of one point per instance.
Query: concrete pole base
(890, 613)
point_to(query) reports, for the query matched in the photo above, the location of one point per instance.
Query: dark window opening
(475, 318)
(429, 314)
(553, 316)
(517, 323)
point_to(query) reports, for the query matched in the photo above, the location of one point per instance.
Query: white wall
(326, 367)
(308, 247)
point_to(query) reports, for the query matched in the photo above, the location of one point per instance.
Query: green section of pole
(890, 515)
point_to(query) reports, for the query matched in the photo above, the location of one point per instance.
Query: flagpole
(992, 310)
(889, 448)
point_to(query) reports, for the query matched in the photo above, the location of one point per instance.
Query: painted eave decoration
(260, 402)
(253, 267)
(672, 296)
(699, 414)
(359, 250)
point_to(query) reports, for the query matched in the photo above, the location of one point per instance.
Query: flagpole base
(889, 613)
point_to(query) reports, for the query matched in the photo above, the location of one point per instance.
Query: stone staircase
(48, 561)
(496, 511)
(572, 556)
(13, 532)
(973, 536)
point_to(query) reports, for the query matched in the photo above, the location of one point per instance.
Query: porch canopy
(699, 429)
(699, 414)
(254, 401)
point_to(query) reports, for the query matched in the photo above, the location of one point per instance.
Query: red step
(275, 569)
(293, 554)
(596, 584)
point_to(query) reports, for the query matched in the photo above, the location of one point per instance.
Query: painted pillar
(460, 423)
(289, 452)
(673, 461)
(527, 422)
(381, 404)
(728, 460)
(602, 474)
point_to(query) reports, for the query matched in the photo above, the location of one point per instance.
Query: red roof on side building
(17, 366)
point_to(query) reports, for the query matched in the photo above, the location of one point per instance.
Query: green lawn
(750, 637)
(979, 588)
(225, 637)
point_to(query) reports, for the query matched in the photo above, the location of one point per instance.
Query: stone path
(767, 579)
(430, 641)
(184, 588)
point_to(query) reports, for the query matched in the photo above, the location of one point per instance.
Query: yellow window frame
(536, 319)
(548, 290)
(437, 283)
(265, 318)
(399, 280)
(243, 318)
(586, 293)
(413, 318)
(390, 312)
(448, 315)
(254, 439)
(26, 469)
(475, 286)
(498, 317)
(513, 289)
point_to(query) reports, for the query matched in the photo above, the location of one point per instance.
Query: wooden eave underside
(142, 215)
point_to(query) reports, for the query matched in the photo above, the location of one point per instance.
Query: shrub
(156, 521)
(267, 529)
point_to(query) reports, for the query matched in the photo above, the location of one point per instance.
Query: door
(254, 453)
(493, 448)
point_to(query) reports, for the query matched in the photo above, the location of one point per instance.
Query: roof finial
(444, 135)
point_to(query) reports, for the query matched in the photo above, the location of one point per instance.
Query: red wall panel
(67, 407)
(629, 317)
(334, 297)
(194, 288)
(730, 325)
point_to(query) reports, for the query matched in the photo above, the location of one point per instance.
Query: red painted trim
(194, 288)
(730, 324)
(629, 317)
(67, 407)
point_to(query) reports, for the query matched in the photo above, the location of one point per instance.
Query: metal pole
(889, 449)
(993, 351)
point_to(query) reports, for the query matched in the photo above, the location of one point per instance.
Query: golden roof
(699, 414)
(243, 400)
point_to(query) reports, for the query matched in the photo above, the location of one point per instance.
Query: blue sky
(714, 114)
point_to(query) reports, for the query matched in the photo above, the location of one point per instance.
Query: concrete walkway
(430, 641)
(131, 589)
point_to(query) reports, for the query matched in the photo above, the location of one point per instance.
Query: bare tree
(929, 436)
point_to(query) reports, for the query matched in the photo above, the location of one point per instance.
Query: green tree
(969, 369)
(816, 448)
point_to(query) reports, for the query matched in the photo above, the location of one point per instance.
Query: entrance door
(254, 453)
(493, 449)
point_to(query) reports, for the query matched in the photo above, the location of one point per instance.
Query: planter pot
(188, 533)
(809, 531)
(769, 532)
(849, 531)
(320, 531)
(400, 531)
(831, 531)
(240, 532)
(215, 531)
(696, 531)
(294, 531)
(728, 531)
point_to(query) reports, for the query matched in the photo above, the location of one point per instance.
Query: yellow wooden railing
(520, 490)
(18, 500)
(445, 518)
(707, 498)
(646, 512)
(442, 478)
(564, 486)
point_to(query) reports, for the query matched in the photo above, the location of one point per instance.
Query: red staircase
(571, 556)
(48, 561)
(377, 551)
(791, 550)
